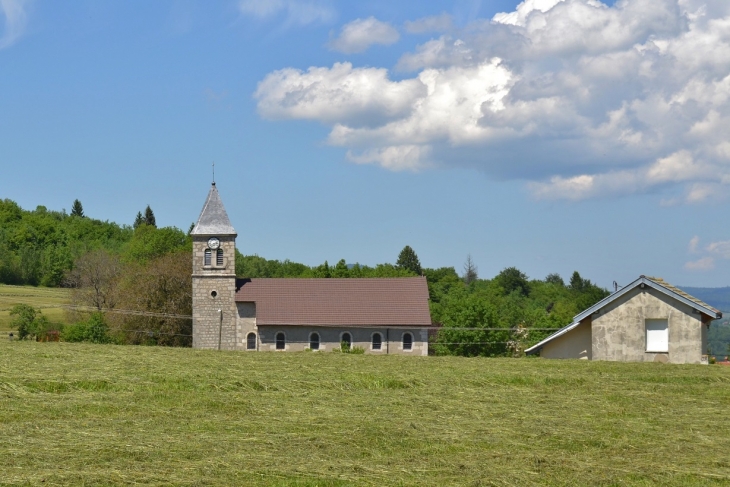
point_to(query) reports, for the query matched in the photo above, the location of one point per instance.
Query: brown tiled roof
(332, 302)
(675, 289)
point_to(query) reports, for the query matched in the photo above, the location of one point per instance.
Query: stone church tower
(214, 277)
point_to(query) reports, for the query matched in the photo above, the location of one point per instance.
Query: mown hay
(73, 414)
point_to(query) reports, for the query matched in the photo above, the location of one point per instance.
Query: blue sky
(551, 135)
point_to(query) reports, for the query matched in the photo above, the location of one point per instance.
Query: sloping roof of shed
(338, 302)
(654, 282)
(674, 289)
(213, 220)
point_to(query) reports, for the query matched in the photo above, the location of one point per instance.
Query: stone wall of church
(245, 324)
(214, 290)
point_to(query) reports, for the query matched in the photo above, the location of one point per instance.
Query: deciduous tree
(512, 279)
(94, 279)
(29, 321)
(555, 278)
(162, 286)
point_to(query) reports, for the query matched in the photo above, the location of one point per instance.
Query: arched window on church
(251, 341)
(346, 342)
(219, 257)
(208, 257)
(407, 341)
(314, 341)
(377, 341)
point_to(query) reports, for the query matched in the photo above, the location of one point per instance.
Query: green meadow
(48, 299)
(82, 414)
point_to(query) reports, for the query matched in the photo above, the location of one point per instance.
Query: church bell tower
(214, 277)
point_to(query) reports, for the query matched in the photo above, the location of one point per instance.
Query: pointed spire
(213, 220)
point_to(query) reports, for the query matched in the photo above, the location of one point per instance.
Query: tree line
(39, 247)
(132, 284)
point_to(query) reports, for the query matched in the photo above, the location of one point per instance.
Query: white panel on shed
(657, 335)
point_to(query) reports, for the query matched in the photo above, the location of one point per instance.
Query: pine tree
(470, 270)
(577, 283)
(407, 259)
(149, 217)
(138, 220)
(77, 209)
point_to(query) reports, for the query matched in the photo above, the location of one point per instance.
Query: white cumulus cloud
(340, 95)
(360, 34)
(713, 251)
(575, 97)
(721, 249)
(13, 11)
(703, 264)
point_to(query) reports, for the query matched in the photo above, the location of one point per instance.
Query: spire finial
(213, 173)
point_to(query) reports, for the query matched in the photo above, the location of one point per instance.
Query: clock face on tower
(214, 243)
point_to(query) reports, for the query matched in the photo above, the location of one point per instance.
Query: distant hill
(719, 297)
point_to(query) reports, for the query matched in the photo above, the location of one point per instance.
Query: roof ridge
(684, 294)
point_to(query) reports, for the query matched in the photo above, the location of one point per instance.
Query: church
(379, 315)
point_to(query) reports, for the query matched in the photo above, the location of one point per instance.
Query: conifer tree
(470, 270)
(138, 220)
(149, 217)
(77, 209)
(407, 259)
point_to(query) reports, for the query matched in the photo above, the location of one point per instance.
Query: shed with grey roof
(648, 320)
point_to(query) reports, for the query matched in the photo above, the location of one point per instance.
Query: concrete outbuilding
(648, 320)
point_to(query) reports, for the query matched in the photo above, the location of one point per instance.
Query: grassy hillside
(108, 415)
(48, 299)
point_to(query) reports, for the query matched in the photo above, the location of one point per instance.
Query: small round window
(213, 294)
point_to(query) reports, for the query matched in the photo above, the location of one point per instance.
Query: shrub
(30, 322)
(75, 333)
(348, 348)
(93, 330)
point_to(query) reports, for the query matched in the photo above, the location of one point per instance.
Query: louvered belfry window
(208, 255)
(219, 258)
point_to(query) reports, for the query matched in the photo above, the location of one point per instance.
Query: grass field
(77, 414)
(48, 299)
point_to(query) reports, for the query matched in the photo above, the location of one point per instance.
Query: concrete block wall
(576, 343)
(619, 331)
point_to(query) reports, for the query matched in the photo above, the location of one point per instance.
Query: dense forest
(137, 279)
